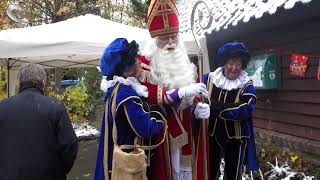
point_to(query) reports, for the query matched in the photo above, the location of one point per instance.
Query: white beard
(171, 69)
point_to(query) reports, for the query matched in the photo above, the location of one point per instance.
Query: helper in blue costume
(120, 67)
(233, 99)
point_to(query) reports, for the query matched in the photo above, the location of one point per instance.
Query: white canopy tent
(77, 42)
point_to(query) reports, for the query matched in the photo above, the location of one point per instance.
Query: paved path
(84, 165)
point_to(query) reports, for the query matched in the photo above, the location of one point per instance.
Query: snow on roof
(226, 13)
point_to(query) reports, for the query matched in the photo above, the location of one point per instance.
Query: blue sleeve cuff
(173, 96)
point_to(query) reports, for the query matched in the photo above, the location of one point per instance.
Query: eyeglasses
(173, 37)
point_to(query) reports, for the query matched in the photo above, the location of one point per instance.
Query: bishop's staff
(204, 123)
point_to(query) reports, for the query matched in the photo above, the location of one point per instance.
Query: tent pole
(8, 79)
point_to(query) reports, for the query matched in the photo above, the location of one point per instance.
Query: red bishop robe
(183, 132)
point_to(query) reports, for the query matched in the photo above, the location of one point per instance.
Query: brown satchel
(126, 165)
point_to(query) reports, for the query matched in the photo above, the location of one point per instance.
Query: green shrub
(3, 84)
(76, 100)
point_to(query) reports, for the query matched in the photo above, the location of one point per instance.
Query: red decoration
(319, 69)
(298, 65)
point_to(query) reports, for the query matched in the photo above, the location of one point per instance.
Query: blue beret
(118, 52)
(233, 50)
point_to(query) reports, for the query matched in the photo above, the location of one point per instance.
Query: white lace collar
(220, 81)
(130, 81)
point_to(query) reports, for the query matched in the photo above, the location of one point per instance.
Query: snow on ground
(277, 171)
(85, 130)
(280, 170)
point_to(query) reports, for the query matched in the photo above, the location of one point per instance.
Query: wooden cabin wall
(293, 108)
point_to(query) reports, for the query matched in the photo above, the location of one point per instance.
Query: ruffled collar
(220, 81)
(130, 81)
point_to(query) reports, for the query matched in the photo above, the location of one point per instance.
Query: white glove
(202, 111)
(193, 90)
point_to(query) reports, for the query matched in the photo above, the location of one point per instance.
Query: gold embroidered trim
(106, 134)
(249, 94)
(165, 12)
(167, 157)
(214, 127)
(106, 138)
(225, 97)
(235, 136)
(238, 96)
(249, 102)
(159, 95)
(178, 119)
(151, 15)
(228, 109)
(164, 31)
(165, 21)
(165, 99)
(240, 131)
(180, 112)
(210, 87)
(219, 98)
(149, 153)
(129, 121)
(126, 99)
(155, 10)
(239, 156)
(173, 6)
(179, 141)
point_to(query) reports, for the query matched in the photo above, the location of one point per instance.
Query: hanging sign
(298, 65)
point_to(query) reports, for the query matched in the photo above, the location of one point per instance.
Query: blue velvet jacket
(235, 120)
(132, 119)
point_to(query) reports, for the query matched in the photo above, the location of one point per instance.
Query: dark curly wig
(128, 58)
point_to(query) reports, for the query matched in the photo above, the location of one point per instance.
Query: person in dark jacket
(37, 140)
